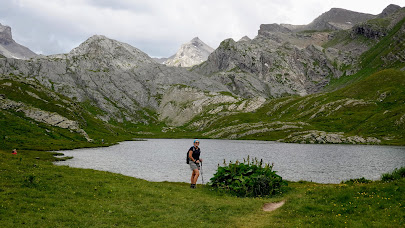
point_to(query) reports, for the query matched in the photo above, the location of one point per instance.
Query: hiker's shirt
(196, 152)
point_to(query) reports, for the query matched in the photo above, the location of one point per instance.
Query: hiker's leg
(192, 177)
(196, 174)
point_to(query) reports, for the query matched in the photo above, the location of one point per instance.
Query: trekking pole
(202, 177)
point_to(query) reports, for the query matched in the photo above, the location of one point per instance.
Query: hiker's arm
(190, 155)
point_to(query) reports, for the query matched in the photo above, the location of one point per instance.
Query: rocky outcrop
(5, 35)
(268, 29)
(9, 48)
(246, 129)
(190, 54)
(370, 31)
(321, 137)
(50, 118)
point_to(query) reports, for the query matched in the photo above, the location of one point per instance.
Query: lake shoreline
(124, 160)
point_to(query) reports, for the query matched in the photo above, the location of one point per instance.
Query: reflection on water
(164, 159)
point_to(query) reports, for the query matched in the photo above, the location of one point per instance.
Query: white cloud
(157, 27)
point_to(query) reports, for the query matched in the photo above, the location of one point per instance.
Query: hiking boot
(192, 186)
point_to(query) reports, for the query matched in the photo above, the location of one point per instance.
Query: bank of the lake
(164, 159)
(34, 192)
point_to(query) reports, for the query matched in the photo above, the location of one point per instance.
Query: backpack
(188, 159)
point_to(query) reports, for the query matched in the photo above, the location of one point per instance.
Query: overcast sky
(158, 27)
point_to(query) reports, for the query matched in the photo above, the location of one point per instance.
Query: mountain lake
(165, 159)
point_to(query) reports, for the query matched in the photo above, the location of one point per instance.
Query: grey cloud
(135, 6)
(156, 27)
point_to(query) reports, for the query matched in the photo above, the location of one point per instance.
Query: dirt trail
(273, 206)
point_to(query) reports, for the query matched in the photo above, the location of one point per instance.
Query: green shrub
(247, 179)
(357, 181)
(395, 175)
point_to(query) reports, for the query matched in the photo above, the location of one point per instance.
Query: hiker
(14, 151)
(194, 156)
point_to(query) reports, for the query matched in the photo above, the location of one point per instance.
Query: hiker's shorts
(194, 166)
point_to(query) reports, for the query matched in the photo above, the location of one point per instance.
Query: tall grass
(394, 175)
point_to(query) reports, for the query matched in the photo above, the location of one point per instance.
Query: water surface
(164, 159)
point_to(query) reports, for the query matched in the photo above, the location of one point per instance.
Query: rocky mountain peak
(196, 40)
(337, 19)
(95, 44)
(99, 46)
(390, 9)
(336, 10)
(5, 35)
(191, 53)
(245, 38)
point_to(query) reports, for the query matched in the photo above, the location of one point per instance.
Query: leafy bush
(395, 175)
(357, 181)
(247, 179)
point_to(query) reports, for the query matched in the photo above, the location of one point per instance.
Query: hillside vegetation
(33, 117)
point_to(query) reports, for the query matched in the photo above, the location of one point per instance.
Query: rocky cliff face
(275, 63)
(190, 54)
(9, 48)
(5, 35)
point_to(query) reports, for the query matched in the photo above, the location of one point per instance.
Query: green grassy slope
(384, 54)
(19, 131)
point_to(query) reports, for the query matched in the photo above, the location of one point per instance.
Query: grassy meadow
(36, 193)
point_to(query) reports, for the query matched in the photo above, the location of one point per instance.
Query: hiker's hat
(196, 140)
